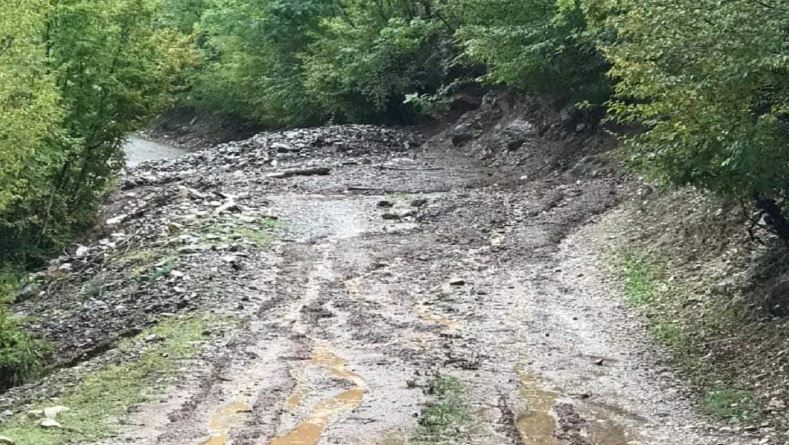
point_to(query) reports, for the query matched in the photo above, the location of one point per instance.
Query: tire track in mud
(363, 313)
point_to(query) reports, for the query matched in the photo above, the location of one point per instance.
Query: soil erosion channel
(393, 268)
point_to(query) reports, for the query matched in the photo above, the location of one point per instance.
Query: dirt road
(404, 270)
(407, 294)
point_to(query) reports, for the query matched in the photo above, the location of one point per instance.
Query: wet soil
(404, 262)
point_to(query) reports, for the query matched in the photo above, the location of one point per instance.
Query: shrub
(22, 357)
(709, 83)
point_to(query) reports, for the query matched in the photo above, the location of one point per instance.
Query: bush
(22, 357)
(540, 46)
(368, 60)
(709, 83)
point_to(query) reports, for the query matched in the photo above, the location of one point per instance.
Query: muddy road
(401, 269)
(410, 294)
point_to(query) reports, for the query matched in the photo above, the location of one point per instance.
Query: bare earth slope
(391, 265)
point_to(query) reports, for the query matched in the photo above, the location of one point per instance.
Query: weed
(156, 272)
(91, 289)
(444, 421)
(105, 396)
(729, 404)
(639, 279)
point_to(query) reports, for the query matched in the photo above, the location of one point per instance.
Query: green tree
(709, 82)
(29, 109)
(540, 46)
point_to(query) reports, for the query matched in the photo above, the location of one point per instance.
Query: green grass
(640, 279)
(446, 419)
(728, 404)
(673, 324)
(104, 397)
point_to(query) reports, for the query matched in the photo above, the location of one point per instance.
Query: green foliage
(21, 356)
(76, 76)
(709, 82)
(369, 59)
(542, 46)
(729, 404)
(639, 278)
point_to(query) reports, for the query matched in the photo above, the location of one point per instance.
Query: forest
(701, 87)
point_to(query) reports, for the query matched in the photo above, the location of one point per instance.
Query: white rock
(117, 220)
(82, 252)
(50, 424)
(4, 440)
(52, 412)
(35, 414)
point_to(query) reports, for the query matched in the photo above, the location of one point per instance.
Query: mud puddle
(540, 424)
(224, 421)
(310, 430)
(537, 425)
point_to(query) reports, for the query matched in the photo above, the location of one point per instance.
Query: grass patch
(640, 279)
(100, 401)
(677, 320)
(729, 404)
(446, 419)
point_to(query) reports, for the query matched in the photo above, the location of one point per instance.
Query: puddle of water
(431, 317)
(224, 421)
(536, 425)
(603, 430)
(299, 392)
(309, 431)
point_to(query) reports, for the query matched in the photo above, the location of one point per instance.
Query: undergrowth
(22, 357)
(664, 303)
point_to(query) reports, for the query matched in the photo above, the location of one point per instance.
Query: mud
(347, 314)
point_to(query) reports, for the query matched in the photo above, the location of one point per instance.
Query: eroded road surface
(398, 265)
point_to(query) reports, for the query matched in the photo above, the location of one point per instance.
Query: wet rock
(82, 252)
(518, 132)
(419, 202)
(35, 414)
(384, 204)
(462, 134)
(391, 217)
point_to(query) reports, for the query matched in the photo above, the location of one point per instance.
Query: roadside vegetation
(447, 419)
(151, 360)
(716, 299)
